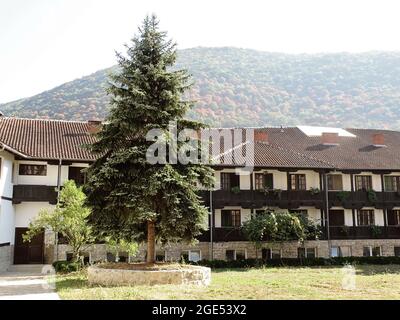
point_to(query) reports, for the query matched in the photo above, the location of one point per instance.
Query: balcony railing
(34, 193)
(365, 232)
(294, 199)
(259, 199)
(359, 199)
(336, 233)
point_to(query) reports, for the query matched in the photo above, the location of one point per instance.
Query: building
(346, 180)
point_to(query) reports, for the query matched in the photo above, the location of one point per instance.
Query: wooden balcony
(365, 232)
(223, 235)
(336, 233)
(249, 199)
(359, 199)
(258, 199)
(34, 193)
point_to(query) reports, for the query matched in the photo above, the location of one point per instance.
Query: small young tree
(279, 227)
(69, 218)
(117, 246)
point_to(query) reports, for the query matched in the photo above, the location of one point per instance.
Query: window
(191, 255)
(229, 181)
(392, 183)
(336, 218)
(230, 255)
(85, 257)
(160, 256)
(393, 217)
(363, 183)
(372, 251)
(32, 170)
(264, 181)
(275, 254)
(297, 182)
(185, 256)
(240, 254)
(230, 218)
(335, 182)
(397, 251)
(309, 253)
(76, 174)
(268, 254)
(365, 218)
(344, 251)
(376, 251)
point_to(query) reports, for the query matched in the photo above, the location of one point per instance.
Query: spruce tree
(131, 198)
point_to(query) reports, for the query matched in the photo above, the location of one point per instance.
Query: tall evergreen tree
(130, 197)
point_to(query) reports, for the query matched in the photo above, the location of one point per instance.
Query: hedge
(66, 266)
(289, 262)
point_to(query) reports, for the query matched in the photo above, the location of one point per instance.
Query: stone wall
(5, 258)
(188, 275)
(288, 249)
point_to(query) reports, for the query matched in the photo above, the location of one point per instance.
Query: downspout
(328, 233)
(211, 225)
(58, 200)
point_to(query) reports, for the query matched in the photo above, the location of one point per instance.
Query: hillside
(239, 87)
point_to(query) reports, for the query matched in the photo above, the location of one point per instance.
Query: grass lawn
(372, 282)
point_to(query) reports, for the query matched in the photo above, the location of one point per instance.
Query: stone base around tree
(184, 275)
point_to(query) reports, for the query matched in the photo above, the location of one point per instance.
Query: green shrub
(66, 266)
(294, 262)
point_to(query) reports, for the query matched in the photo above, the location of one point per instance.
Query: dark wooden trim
(352, 182)
(353, 213)
(6, 244)
(6, 198)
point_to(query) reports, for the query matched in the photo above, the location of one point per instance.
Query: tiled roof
(287, 147)
(46, 139)
(349, 153)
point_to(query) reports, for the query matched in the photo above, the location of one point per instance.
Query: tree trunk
(151, 242)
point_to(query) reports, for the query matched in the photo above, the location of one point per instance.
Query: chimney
(378, 140)
(261, 136)
(330, 138)
(94, 126)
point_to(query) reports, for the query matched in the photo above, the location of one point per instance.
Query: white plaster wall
(379, 217)
(348, 217)
(245, 215)
(26, 211)
(6, 190)
(6, 186)
(346, 182)
(7, 223)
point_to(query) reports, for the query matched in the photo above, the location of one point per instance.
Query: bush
(294, 262)
(66, 266)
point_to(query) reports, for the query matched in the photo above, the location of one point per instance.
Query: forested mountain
(240, 87)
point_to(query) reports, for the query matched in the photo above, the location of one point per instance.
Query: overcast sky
(44, 43)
